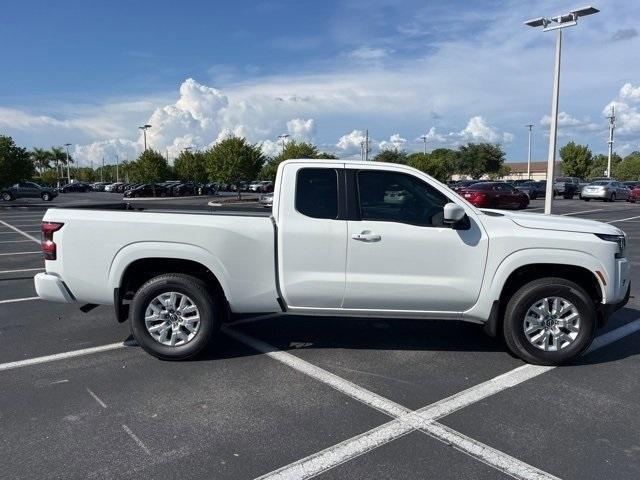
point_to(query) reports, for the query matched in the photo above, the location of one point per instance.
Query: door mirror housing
(455, 216)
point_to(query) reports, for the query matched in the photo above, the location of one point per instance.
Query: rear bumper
(50, 287)
(601, 194)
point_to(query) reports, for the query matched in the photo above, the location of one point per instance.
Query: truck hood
(561, 223)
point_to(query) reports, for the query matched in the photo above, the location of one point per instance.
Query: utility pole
(144, 129)
(612, 126)
(102, 171)
(529, 126)
(117, 169)
(556, 23)
(366, 145)
(67, 145)
(424, 139)
(362, 151)
(283, 139)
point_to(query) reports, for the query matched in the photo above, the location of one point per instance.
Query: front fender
(181, 251)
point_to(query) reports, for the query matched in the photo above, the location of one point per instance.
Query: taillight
(48, 245)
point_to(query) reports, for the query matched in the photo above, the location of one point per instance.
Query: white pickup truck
(347, 239)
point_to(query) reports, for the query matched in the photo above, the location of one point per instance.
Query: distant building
(519, 171)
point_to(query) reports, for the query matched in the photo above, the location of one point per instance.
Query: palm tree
(59, 156)
(41, 159)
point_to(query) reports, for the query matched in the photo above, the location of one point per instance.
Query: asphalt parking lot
(291, 397)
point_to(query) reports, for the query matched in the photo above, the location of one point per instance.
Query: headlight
(621, 240)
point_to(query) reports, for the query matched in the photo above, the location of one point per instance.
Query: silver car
(266, 200)
(607, 190)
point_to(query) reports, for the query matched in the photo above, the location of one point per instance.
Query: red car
(634, 195)
(495, 195)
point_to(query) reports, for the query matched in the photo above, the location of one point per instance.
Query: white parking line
(15, 241)
(136, 439)
(623, 219)
(96, 398)
(423, 419)
(19, 253)
(16, 300)
(17, 230)
(583, 211)
(62, 356)
(22, 270)
(14, 233)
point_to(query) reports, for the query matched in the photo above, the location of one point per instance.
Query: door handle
(367, 236)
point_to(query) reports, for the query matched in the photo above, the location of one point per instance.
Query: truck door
(400, 255)
(312, 235)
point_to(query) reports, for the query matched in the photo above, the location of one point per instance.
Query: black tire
(613, 197)
(46, 197)
(7, 197)
(197, 291)
(568, 196)
(527, 295)
(587, 199)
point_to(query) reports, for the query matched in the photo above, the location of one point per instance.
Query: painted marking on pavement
(19, 253)
(22, 270)
(17, 230)
(583, 211)
(623, 219)
(16, 300)
(136, 439)
(96, 398)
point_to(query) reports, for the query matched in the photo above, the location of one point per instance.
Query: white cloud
(476, 130)
(301, 129)
(351, 143)
(109, 150)
(366, 53)
(395, 142)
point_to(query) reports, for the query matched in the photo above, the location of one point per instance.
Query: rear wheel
(613, 197)
(173, 316)
(46, 196)
(549, 321)
(7, 197)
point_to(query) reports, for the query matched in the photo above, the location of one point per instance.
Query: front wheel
(7, 197)
(46, 196)
(613, 197)
(173, 316)
(549, 321)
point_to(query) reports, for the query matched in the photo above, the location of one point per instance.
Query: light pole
(117, 169)
(424, 139)
(612, 126)
(556, 23)
(529, 126)
(66, 146)
(144, 129)
(283, 138)
(366, 145)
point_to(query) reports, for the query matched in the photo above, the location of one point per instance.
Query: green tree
(15, 162)
(190, 166)
(234, 160)
(577, 160)
(599, 165)
(84, 174)
(326, 156)
(49, 177)
(150, 167)
(392, 156)
(41, 159)
(292, 149)
(437, 166)
(478, 159)
(628, 168)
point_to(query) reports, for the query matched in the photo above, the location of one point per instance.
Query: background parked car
(99, 186)
(634, 194)
(266, 200)
(568, 187)
(531, 188)
(461, 184)
(495, 195)
(148, 190)
(27, 190)
(631, 185)
(75, 187)
(606, 190)
(112, 187)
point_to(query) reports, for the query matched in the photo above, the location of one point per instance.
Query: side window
(317, 192)
(398, 197)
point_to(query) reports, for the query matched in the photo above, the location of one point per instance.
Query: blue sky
(90, 72)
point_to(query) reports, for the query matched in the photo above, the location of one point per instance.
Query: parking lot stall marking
(15, 241)
(96, 398)
(22, 270)
(424, 419)
(62, 356)
(135, 438)
(623, 219)
(26, 231)
(19, 253)
(16, 300)
(17, 230)
(583, 211)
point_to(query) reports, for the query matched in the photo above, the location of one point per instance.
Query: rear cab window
(317, 192)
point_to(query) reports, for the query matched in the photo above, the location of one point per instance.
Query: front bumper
(50, 287)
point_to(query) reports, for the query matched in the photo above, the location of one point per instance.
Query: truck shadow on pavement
(291, 333)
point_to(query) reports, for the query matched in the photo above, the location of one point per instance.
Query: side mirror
(455, 216)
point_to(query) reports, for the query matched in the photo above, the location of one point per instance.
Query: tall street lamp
(283, 138)
(66, 146)
(144, 129)
(556, 23)
(529, 126)
(612, 126)
(424, 139)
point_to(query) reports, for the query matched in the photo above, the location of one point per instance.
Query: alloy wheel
(551, 324)
(172, 319)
